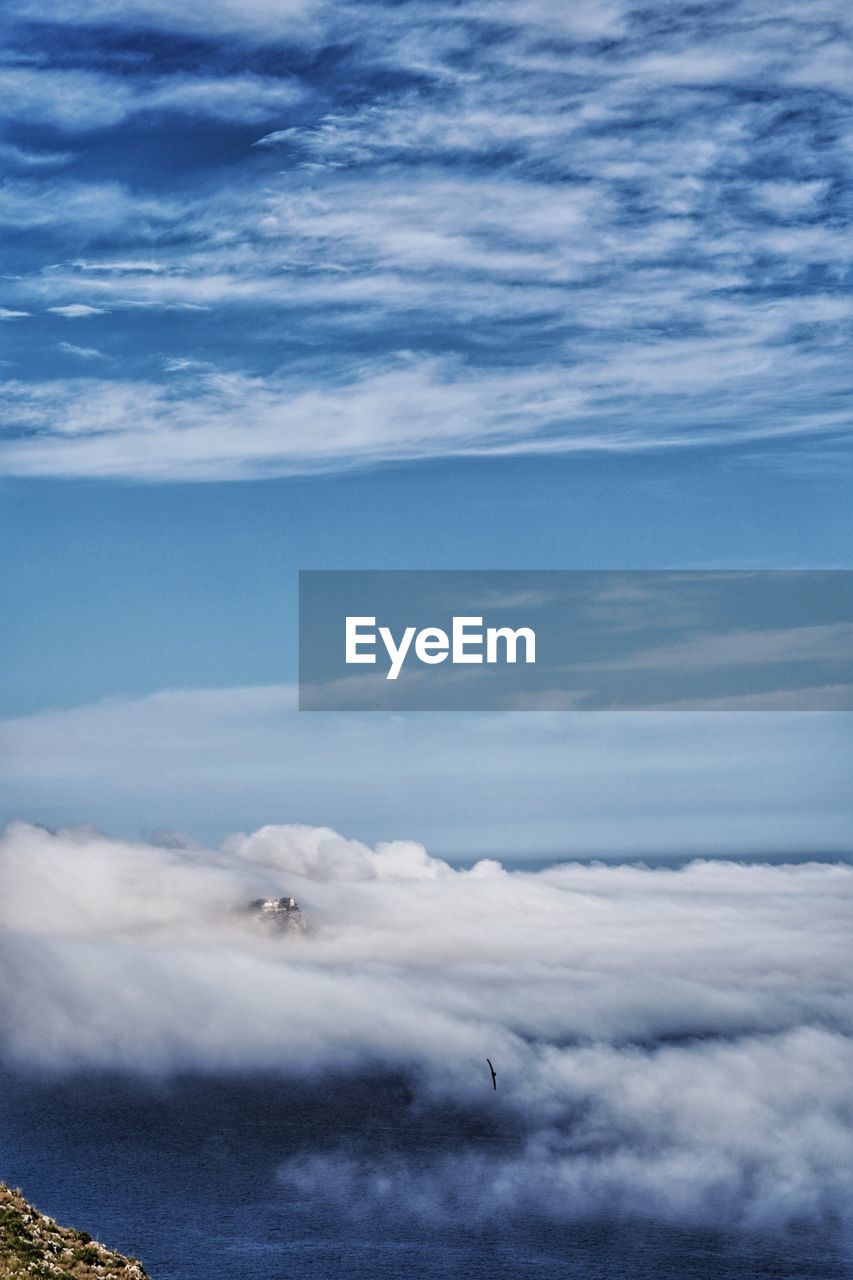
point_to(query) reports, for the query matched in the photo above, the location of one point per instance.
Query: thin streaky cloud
(630, 227)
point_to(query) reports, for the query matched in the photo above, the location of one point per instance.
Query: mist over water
(201, 1177)
(673, 1048)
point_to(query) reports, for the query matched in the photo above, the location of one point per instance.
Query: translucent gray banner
(586, 640)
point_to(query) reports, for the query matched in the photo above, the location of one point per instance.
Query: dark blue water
(186, 1176)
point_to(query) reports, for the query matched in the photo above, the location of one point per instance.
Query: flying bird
(494, 1074)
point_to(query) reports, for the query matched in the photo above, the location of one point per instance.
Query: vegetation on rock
(34, 1247)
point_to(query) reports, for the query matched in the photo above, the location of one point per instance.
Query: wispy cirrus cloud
(77, 311)
(216, 426)
(91, 211)
(623, 228)
(85, 353)
(73, 100)
(257, 20)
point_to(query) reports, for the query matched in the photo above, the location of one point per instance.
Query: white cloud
(33, 159)
(79, 99)
(591, 784)
(229, 424)
(247, 19)
(831, 642)
(582, 20)
(89, 209)
(216, 425)
(85, 353)
(675, 1045)
(77, 311)
(583, 207)
(792, 198)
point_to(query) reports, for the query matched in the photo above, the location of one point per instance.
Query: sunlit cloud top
(649, 1062)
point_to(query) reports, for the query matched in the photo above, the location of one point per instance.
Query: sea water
(191, 1175)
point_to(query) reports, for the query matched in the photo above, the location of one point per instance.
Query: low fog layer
(543, 783)
(674, 1044)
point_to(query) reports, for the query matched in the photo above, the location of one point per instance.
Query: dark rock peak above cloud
(278, 915)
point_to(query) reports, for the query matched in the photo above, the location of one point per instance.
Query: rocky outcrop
(34, 1247)
(278, 915)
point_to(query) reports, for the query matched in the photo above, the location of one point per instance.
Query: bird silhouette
(494, 1074)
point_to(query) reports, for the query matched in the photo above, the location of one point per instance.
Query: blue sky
(266, 239)
(515, 284)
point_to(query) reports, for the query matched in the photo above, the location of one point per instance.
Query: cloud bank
(541, 783)
(671, 1044)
